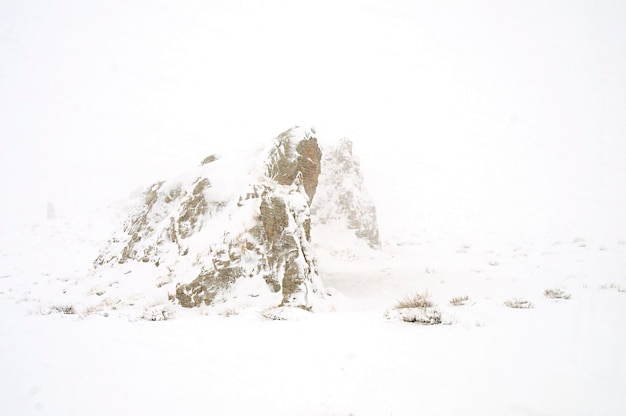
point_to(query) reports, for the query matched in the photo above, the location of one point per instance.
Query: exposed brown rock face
(164, 216)
(193, 208)
(274, 217)
(208, 159)
(289, 160)
(262, 235)
(309, 164)
(287, 250)
(281, 239)
(135, 230)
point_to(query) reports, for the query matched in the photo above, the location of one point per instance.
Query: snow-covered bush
(158, 313)
(272, 314)
(415, 308)
(283, 313)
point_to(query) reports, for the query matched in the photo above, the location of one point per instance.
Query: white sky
(481, 115)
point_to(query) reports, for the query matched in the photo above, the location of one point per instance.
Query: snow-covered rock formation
(236, 230)
(342, 202)
(236, 226)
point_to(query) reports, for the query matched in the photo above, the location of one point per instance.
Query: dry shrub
(64, 309)
(518, 304)
(613, 286)
(416, 308)
(459, 300)
(418, 300)
(227, 313)
(272, 314)
(556, 293)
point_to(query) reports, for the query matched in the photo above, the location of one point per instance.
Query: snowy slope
(562, 356)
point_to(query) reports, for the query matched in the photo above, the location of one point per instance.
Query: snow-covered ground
(491, 138)
(560, 357)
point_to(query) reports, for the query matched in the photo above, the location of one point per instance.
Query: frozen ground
(560, 357)
(492, 140)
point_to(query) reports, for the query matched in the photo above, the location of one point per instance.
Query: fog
(476, 117)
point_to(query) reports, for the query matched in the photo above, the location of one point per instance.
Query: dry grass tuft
(459, 300)
(64, 309)
(272, 314)
(556, 293)
(613, 286)
(609, 286)
(418, 300)
(416, 308)
(227, 313)
(518, 304)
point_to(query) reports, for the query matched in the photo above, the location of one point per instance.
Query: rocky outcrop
(216, 244)
(236, 231)
(279, 237)
(342, 200)
(299, 163)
